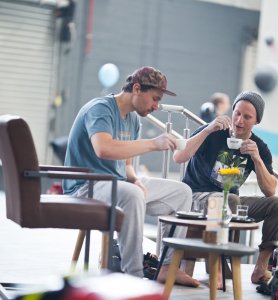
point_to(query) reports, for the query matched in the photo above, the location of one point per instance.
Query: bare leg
(260, 272)
(181, 277)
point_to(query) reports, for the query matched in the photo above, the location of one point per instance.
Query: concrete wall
(198, 45)
(267, 57)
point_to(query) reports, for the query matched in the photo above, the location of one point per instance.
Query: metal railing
(167, 127)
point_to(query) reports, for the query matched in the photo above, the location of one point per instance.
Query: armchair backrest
(18, 153)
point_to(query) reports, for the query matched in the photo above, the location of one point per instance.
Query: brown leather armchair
(28, 207)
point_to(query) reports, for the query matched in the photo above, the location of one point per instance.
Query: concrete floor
(35, 255)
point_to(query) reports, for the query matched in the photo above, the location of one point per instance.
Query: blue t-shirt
(98, 115)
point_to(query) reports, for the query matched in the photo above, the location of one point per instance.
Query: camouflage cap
(151, 77)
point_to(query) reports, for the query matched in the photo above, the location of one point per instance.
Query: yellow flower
(229, 171)
(229, 176)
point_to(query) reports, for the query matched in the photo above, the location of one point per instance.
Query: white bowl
(234, 143)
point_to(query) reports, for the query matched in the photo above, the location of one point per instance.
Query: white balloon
(108, 75)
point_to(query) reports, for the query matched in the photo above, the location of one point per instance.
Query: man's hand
(219, 123)
(164, 141)
(139, 183)
(250, 147)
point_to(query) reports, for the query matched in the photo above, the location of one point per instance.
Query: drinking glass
(242, 211)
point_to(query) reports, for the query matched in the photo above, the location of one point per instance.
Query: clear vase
(223, 231)
(226, 211)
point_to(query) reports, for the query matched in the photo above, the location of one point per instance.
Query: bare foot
(260, 276)
(260, 273)
(181, 277)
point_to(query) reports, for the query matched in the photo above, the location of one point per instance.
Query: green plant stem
(226, 195)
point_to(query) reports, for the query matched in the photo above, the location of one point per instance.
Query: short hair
(127, 88)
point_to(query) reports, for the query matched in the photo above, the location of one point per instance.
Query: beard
(144, 113)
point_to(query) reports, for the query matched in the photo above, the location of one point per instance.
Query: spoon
(232, 134)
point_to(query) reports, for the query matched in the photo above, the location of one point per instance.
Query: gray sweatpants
(260, 208)
(164, 197)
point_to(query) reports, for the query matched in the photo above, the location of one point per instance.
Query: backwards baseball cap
(255, 99)
(151, 77)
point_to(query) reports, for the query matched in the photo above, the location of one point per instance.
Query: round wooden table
(234, 227)
(202, 223)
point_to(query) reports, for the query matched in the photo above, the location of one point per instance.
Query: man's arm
(130, 172)
(194, 143)
(107, 148)
(266, 181)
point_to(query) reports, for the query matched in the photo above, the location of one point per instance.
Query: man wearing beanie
(207, 151)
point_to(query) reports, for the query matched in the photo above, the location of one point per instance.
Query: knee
(184, 190)
(135, 200)
(274, 199)
(187, 191)
(234, 200)
(274, 204)
(183, 196)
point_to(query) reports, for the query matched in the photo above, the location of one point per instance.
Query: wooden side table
(200, 225)
(234, 250)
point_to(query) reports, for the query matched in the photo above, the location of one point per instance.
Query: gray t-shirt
(98, 115)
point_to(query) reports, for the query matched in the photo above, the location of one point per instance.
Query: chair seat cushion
(62, 211)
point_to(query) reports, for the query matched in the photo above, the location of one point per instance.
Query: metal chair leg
(87, 250)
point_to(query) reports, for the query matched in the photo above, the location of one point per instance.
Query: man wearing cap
(104, 137)
(207, 150)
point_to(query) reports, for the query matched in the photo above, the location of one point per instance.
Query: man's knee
(134, 199)
(183, 190)
(273, 200)
(183, 196)
(234, 200)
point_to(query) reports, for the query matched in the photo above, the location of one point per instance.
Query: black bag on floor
(270, 288)
(116, 257)
(274, 286)
(150, 262)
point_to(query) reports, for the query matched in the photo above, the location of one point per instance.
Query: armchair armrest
(91, 177)
(64, 168)
(48, 171)
(68, 175)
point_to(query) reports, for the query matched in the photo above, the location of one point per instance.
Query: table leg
(236, 236)
(171, 275)
(236, 278)
(213, 272)
(223, 272)
(164, 252)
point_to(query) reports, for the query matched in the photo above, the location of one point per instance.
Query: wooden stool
(234, 250)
